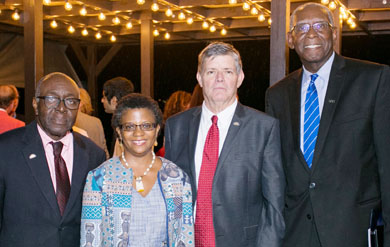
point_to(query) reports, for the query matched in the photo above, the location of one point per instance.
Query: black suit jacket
(248, 185)
(350, 173)
(29, 213)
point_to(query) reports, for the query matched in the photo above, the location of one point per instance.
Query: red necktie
(204, 228)
(62, 177)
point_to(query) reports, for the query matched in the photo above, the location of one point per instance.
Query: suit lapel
(35, 157)
(295, 106)
(333, 92)
(193, 129)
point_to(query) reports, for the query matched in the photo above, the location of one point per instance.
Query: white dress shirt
(321, 85)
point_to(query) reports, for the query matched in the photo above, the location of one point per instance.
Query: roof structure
(180, 20)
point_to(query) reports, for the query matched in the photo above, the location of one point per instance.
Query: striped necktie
(311, 121)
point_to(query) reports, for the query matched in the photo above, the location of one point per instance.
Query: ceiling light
(140, 2)
(71, 29)
(98, 35)
(116, 20)
(190, 20)
(223, 32)
(68, 6)
(246, 6)
(84, 32)
(254, 11)
(168, 12)
(154, 7)
(167, 35)
(83, 11)
(46, 2)
(205, 25)
(129, 25)
(352, 25)
(181, 16)
(112, 38)
(332, 5)
(325, 2)
(261, 18)
(102, 16)
(213, 28)
(15, 16)
(156, 33)
(53, 24)
(269, 21)
(232, 1)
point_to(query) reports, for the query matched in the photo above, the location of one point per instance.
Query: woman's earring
(155, 143)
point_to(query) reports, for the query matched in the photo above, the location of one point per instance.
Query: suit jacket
(350, 173)
(249, 183)
(29, 213)
(94, 128)
(8, 123)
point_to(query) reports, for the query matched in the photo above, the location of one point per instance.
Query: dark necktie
(204, 228)
(312, 121)
(62, 177)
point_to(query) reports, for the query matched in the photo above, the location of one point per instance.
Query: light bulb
(83, 11)
(140, 2)
(181, 16)
(68, 6)
(261, 18)
(71, 29)
(102, 16)
(168, 12)
(167, 36)
(246, 6)
(154, 7)
(232, 1)
(384, 1)
(324, 2)
(116, 20)
(205, 25)
(15, 15)
(190, 20)
(350, 20)
(53, 24)
(129, 25)
(254, 11)
(98, 35)
(156, 33)
(84, 32)
(46, 2)
(269, 21)
(112, 38)
(213, 28)
(332, 5)
(223, 31)
(352, 25)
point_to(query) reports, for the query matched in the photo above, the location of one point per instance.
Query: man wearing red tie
(232, 155)
(43, 167)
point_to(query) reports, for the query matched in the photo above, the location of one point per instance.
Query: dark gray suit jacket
(350, 174)
(249, 183)
(29, 214)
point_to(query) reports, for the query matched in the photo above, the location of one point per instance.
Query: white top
(321, 85)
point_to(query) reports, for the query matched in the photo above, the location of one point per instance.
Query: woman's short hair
(178, 101)
(136, 101)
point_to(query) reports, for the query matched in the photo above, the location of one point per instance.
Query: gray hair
(303, 6)
(49, 76)
(218, 49)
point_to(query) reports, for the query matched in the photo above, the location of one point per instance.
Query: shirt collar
(1, 109)
(323, 73)
(66, 140)
(224, 117)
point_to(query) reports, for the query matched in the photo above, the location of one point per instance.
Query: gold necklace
(139, 186)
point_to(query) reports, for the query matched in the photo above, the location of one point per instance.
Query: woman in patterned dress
(137, 199)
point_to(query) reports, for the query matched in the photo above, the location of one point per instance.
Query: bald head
(7, 96)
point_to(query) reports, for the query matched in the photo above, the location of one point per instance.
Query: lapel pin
(32, 156)
(236, 123)
(332, 101)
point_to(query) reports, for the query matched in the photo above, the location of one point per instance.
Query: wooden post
(33, 52)
(280, 15)
(339, 28)
(92, 76)
(147, 50)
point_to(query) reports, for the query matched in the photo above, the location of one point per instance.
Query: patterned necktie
(62, 177)
(204, 228)
(312, 121)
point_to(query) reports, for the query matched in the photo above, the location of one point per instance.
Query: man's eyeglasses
(130, 127)
(317, 27)
(52, 102)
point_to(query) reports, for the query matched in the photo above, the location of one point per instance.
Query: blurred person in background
(9, 99)
(197, 96)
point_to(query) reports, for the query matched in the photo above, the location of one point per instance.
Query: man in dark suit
(43, 167)
(334, 118)
(240, 202)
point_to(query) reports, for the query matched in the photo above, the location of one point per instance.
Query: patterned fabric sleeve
(91, 215)
(187, 232)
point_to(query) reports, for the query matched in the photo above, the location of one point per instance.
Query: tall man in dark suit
(232, 155)
(43, 167)
(334, 118)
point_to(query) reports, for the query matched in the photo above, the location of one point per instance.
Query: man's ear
(11, 107)
(290, 40)
(199, 78)
(114, 102)
(35, 106)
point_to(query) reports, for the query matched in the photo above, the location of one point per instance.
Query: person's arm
(381, 134)
(272, 227)
(187, 232)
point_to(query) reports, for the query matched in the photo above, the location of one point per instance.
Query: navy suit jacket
(29, 213)
(350, 173)
(249, 182)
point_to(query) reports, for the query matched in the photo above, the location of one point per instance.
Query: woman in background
(137, 199)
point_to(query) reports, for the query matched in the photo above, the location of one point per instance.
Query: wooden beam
(147, 56)
(92, 75)
(280, 12)
(80, 55)
(33, 53)
(107, 58)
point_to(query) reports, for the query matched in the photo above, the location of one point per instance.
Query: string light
(223, 32)
(232, 1)
(156, 33)
(254, 11)
(53, 24)
(332, 5)
(71, 29)
(261, 18)
(68, 6)
(15, 16)
(83, 11)
(246, 6)
(324, 2)
(129, 25)
(269, 21)
(154, 7)
(112, 38)
(46, 2)
(102, 16)
(190, 20)
(205, 25)
(167, 35)
(98, 35)
(352, 25)
(181, 16)
(140, 2)
(168, 12)
(116, 20)
(213, 28)
(84, 32)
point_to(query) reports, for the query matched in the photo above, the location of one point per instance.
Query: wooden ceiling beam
(374, 16)
(359, 4)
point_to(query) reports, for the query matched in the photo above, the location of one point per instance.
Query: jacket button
(312, 185)
(308, 216)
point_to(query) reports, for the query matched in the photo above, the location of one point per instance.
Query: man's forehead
(59, 85)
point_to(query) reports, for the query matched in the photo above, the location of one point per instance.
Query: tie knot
(313, 78)
(57, 148)
(214, 119)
